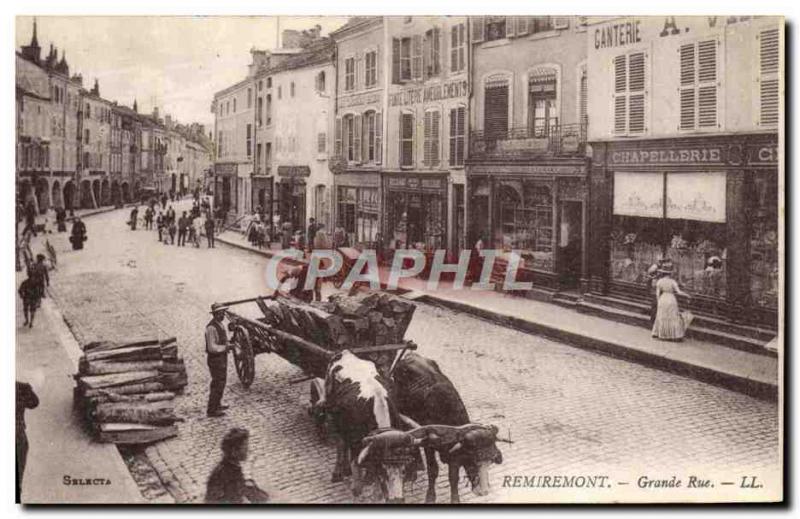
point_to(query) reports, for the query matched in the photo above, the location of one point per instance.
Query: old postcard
(399, 259)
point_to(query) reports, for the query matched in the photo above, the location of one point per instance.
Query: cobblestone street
(568, 411)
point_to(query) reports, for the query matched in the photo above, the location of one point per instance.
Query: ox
(363, 418)
(427, 396)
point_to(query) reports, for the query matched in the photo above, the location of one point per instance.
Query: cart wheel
(243, 356)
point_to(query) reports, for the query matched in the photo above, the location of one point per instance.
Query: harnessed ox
(363, 419)
(426, 396)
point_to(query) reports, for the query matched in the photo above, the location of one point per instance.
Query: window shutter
(395, 60)
(427, 55)
(496, 111)
(478, 28)
(511, 26)
(357, 139)
(461, 133)
(707, 79)
(416, 57)
(522, 25)
(462, 47)
(378, 138)
(620, 98)
(437, 51)
(401, 154)
(435, 122)
(583, 107)
(453, 126)
(687, 90)
(426, 159)
(338, 132)
(377, 65)
(454, 48)
(769, 79)
(636, 95)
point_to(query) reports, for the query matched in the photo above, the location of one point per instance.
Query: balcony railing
(553, 140)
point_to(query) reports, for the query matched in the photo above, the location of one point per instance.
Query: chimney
(155, 113)
(135, 106)
(96, 88)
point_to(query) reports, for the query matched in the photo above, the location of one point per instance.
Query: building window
(269, 109)
(86, 136)
(698, 85)
(432, 124)
(321, 142)
(349, 74)
(406, 139)
(258, 158)
(406, 59)
(495, 108)
(321, 81)
(769, 77)
(371, 69)
(348, 137)
(261, 85)
(431, 48)
(542, 107)
(457, 48)
(368, 153)
(457, 131)
(629, 93)
(249, 98)
(88, 111)
(495, 28)
(260, 111)
(291, 89)
(228, 108)
(219, 145)
(269, 82)
(234, 105)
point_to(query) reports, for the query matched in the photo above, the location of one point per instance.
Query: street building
(685, 159)
(527, 166)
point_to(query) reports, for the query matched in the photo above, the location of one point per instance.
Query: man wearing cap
(227, 483)
(217, 355)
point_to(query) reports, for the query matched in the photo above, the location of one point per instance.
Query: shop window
(542, 102)
(346, 212)
(431, 50)
(698, 85)
(432, 125)
(769, 77)
(763, 225)
(371, 69)
(525, 222)
(457, 133)
(406, 139)
(457, 48)
(417, 220)
(629, 93)
(349, 74)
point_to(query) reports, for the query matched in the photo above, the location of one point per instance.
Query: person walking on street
(163, 202)
(170, 214)
(670, 323)
(26, 399)
(217, 358)
(134, 217)
(311, 234)
(78, 234)
(286, 237)
(160, 225)
(210, 230)
(173, 230)
(197, 228)
(31, 299)
(30, 218)
(61, 219)
(227, 484)
(38, 274)
(148, 218)
(183, 225)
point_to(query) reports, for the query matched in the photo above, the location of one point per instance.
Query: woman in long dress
(670, 323)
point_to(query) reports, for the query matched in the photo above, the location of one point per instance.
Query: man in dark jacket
(134, 217)
(78, 234)
(183, 226)
(38, 274)
(226, 484)
(217, 359)
(210, 230)
(26, 399)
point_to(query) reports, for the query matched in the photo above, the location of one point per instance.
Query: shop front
(710, 204)
(358, 207)
(415, 210)
(291, 195)
(536, 210)
(225, 186)
(262, 195)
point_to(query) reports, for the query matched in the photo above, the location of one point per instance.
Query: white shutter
(707, 80)
(636, 92)
(357, 139)
(478, 28)
(769, 77)
(687, 87)
(453, 130)
(416, 56)
(378, 138)
(620, 91)
(435, 141)
(427, 155)
(454, 48)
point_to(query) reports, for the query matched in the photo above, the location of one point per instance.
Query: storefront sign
(639, 194)
(294, 171)
(360, 99)
(704, 155)
(415, 183)
(618, 34)
(447, 90)
(225, 169)
(696, 196)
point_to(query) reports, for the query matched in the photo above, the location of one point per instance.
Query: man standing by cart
(217, 353)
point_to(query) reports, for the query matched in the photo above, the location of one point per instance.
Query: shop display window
(763, 220)
(524, 222)
(417, 220)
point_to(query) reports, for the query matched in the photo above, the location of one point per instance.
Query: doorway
(570, 243)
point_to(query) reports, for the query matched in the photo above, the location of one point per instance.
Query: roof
(321, 51)
(355, 23)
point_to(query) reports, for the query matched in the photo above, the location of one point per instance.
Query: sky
(174, 62)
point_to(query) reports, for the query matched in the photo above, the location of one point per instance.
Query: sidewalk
(60, 448)
(741, 371)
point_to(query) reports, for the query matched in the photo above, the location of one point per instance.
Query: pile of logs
(126, 390)
(364, 319)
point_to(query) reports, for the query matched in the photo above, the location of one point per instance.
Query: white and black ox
(427, 396)
(363, 418)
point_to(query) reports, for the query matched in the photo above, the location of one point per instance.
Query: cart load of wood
(126, 390)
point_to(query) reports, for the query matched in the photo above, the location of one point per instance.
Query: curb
(741, 384)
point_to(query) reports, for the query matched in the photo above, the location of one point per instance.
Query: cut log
(128, 389)
(155, 413)
(173, 366)
(126, 354)
(105, 368)
(146, 397)
(168, 341)
(169, 352)
(137, 436)
(119, 379)
(95, 346)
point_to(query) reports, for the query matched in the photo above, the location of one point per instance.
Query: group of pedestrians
(173, 229)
